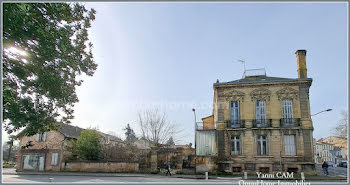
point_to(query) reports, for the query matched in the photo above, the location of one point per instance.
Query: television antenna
(243, 62)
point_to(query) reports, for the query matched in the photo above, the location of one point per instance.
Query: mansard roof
(261, 79)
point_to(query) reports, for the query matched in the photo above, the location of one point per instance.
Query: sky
(168, 55)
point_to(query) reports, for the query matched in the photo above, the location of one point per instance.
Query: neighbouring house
(49, 151)
(259, 123)
(337, 142)
(337, 155)
(322, 152)
(143, 144)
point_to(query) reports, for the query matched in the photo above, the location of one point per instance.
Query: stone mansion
(259, 123)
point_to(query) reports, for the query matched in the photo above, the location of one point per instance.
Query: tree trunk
(9, 156)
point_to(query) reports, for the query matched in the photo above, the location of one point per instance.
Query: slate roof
(70, 131)
(73, 132)
(261, 79)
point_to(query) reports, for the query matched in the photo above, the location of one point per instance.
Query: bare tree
(155, 127)
(341, 129)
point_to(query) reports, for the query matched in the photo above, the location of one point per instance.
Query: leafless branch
(155, 126)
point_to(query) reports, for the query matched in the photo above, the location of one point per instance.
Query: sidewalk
(91, 174)
(77, 174)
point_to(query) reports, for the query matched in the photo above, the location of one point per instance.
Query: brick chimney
(301, 61)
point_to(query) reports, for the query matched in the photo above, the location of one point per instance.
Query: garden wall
(101, 167)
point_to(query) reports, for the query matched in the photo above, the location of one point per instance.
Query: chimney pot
(301, 62)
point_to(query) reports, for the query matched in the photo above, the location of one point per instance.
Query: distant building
(259, 123)
(332, 148)
(337, 142)
(323, 152)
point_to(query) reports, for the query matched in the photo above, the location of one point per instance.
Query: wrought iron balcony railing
(262, 123)
(256, 123)
(290, 122)
(235, 124)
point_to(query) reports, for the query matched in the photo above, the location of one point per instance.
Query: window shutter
(232, 111)
(287, 108)
(289, 145)
(44, 136)
(260, 110)
(37, 137)
(234, 108)
(263, 111)
(257, 110)
(54, 159)
(237, 111)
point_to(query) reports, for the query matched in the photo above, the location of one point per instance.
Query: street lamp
(327, 110)
(195, 143)
(194, 112)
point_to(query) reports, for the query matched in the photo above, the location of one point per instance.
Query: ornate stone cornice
(233, 95)
(287, 93)
(267, 84)
(260, 94)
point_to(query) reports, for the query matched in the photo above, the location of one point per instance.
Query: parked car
(331, 164)
(343, 164)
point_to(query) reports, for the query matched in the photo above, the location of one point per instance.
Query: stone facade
(272, 91)
(49, 151)
(55, 142)
(336, 141)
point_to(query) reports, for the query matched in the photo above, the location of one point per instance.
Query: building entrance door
(41, 163)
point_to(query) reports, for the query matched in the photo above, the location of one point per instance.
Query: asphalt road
(9, 176)
(15, 178)
(87, 179)
(333, 171)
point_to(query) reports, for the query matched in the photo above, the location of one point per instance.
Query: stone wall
(206, 164)
(101, 167)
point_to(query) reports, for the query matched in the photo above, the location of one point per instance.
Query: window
(260, 113)
(41, 137)
(235, 145)
(287, 111)
(54, 159)
(262, 145)
(289, 145)
(33, 161)
(264, 169)
(234, 114)
(236, 169)
(294, 170)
